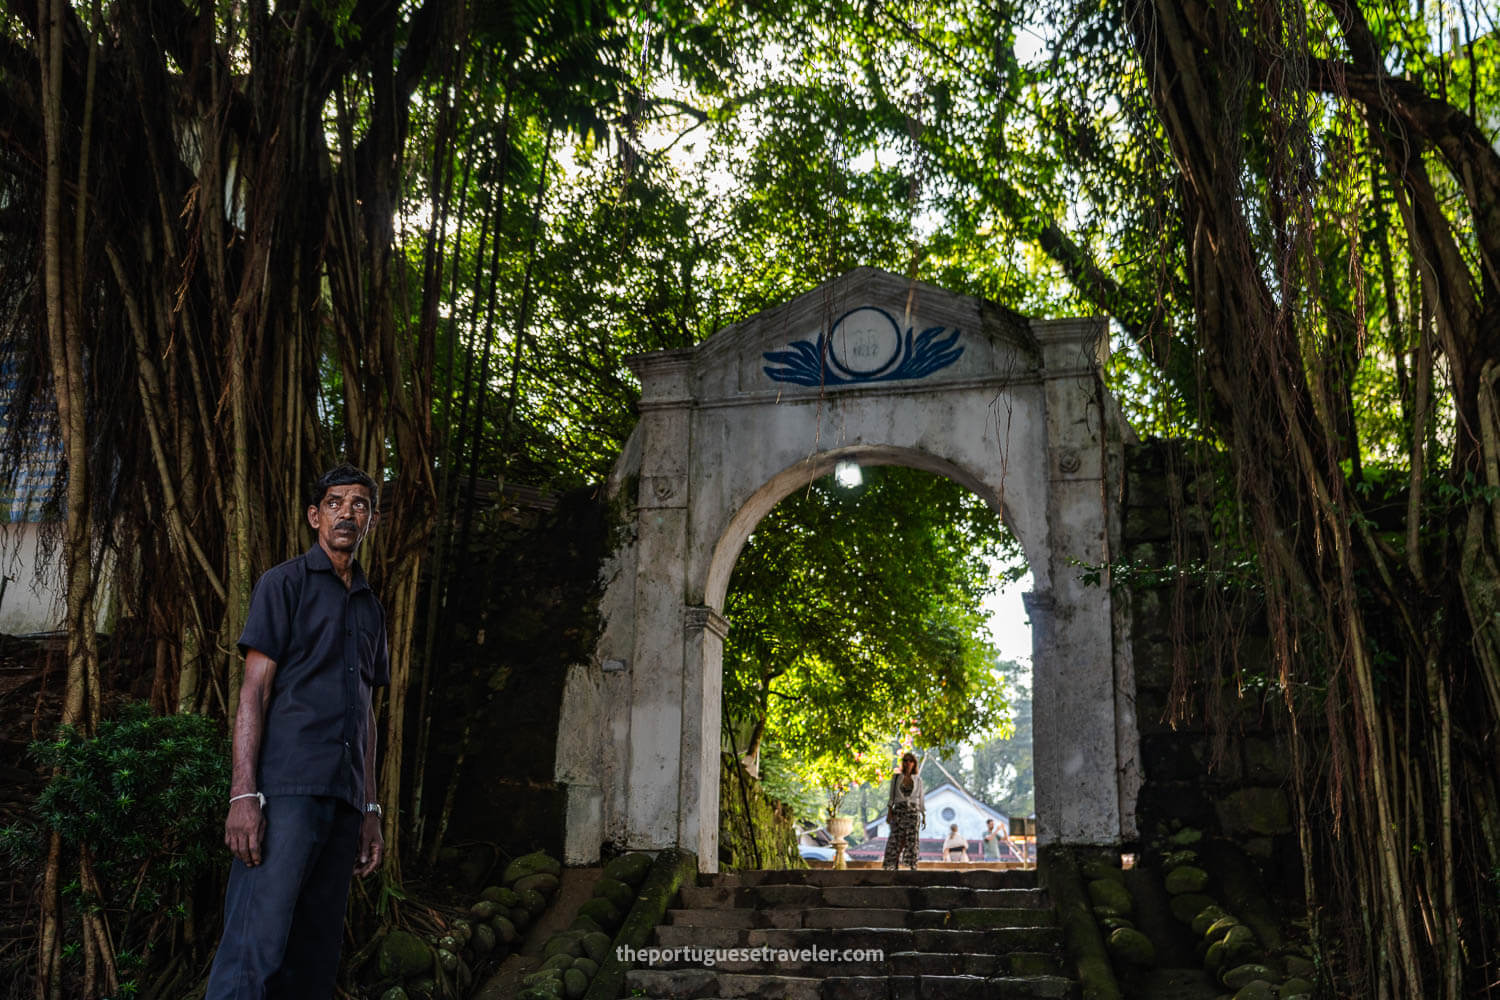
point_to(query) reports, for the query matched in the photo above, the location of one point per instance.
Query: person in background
(907, 813)
(955, 848)
(991, 841)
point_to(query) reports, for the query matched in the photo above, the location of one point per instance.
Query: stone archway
(881, 370)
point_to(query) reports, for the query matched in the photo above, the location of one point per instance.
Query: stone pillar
(656, 684)
(702, 699)
(1077, 781)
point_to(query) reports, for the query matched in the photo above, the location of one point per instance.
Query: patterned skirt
(901, 847)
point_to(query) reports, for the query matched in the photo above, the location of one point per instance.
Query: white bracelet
(249, 795)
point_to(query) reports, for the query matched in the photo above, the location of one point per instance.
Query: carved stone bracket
(697, 617)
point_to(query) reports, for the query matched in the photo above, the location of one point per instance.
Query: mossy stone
(1265, 811)
(587, 966)
(1236, 947)
(560, 961)
(602, 912)
(484, 909)
(403, 954)
(1106, 912)
(1187, 835)
(1240, 936)
(1296, 986)
(1301, 968)
(1129, 945)
(585, 924)
(530, 864)
(449, 943)
(1206, 918)
(575, 984)
(1186, 879)
(422, 988)
(533, 901)
(1176, 859)
(546, 978)
(394, 993)
(629, 868)
(1098, 868)
(1219, 928)
(447, 960)
(620, 895)
(504, 929)
(483, 941)
(1257, 989)
(564, 942)
(1108, 892)
(502, 897)
(596, 946)
(536, 993)
(1242, 975)
(1115, 923)
(1188, 905)
(520, 916)
(542, 882)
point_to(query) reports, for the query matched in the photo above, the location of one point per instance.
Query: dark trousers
(284, 918)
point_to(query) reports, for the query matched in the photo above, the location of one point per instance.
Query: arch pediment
(868, 329)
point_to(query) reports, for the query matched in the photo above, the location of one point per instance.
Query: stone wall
(763, 837)
(1213, 757)
(522, 607)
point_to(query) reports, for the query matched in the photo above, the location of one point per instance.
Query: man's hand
(371, 845)
(244, 830)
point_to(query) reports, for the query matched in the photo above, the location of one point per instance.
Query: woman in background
(955, 848)
(907, 813)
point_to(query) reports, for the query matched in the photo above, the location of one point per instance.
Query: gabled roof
(962, 793)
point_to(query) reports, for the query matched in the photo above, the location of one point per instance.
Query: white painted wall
(1020, 417)
(29, 604)
(969, 817)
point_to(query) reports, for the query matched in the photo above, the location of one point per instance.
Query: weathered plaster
(1020, 417)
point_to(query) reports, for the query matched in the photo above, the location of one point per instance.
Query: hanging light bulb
(847, 474)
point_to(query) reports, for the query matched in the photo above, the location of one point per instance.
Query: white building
(948, 804)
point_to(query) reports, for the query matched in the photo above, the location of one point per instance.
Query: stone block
(1151, 523)
(1264, 761)
(1257, 810)
(1112, 894)
(1186, 879)
(1131, 947)
(1170, 756)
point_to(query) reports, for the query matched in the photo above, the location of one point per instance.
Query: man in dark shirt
(303, 810)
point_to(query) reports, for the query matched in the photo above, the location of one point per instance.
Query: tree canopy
(856, 620)
(237, 241)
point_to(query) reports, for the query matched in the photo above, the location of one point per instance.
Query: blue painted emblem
(864, 345)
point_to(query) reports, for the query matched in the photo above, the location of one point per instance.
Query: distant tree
(856, 618)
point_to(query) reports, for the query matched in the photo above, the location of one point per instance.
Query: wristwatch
(374, 807)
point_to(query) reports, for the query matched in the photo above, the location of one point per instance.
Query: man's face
(342, 518)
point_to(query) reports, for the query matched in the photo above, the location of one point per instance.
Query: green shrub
(146, 799)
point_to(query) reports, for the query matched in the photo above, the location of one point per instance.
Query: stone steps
(977, 878)
(963, 918)
(941, 934)
(874, 897)
(699, 984)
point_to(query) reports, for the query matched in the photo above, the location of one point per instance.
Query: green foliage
(857, 621)
(145, 799)
(997, 771)
(765, 836)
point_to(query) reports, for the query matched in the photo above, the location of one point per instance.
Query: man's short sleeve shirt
(329, 646)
